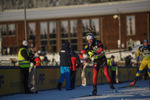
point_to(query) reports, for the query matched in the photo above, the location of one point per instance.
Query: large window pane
(3, 30)
(85, 30)
(43, 35)
(130, 25)
(85, 26)
(95, 26)
(52, 35)
(11, 29)
(43, 30)
(73, 33)
(32, 31)
(52, 29)
(73, 28)
(64, 31)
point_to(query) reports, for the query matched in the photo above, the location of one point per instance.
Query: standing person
(75, 60)
(145, 51)
(113, 66)
(24, 63)
(65, 63)
(36, 61)
(83, 57)
(93, 48)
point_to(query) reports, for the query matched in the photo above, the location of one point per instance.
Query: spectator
(113, 66)
(128, 61)
(33, 72)
(75, 60)
(65, 63)
(24, 63)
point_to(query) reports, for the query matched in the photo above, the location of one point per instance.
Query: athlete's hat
(145, 41)
(89, 36)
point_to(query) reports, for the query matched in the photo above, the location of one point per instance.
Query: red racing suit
(96, 48)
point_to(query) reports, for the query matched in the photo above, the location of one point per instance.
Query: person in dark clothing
(111, 62)
(24, 63)
(75, 60)
(65, 63)
(95, 49)
(128, 61)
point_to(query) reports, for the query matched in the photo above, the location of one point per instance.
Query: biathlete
(145, 51)
(95, 49)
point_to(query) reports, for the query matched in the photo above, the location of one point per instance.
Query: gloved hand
(88, 60)
(91, 54)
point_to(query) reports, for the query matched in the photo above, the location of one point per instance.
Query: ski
(127, 86)
(85, 96)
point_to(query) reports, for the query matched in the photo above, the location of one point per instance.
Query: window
(3, 30)
(52, 36)
(32, 31)
(73, 33)
(43, 35)
(130, 25)
(11, 29)
(90, 25)
(64, 31)
(85, 29)
(95, 27)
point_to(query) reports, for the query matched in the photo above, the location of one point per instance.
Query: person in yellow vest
(113, 66)
(24, 63)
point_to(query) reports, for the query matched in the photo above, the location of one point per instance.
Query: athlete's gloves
(91, 54)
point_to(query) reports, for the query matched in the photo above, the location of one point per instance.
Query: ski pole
(110, 53)
(116, 52)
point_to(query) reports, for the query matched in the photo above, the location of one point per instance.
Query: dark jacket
(65, 56)
(24, 53)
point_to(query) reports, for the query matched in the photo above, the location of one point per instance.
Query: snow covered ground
(141, 92)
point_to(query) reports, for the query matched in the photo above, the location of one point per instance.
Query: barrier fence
(48, 76)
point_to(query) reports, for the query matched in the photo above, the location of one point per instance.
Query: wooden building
(49, 28)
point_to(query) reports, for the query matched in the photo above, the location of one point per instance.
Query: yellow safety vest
(22, 62)
(113, 68)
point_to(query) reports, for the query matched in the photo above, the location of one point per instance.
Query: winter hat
(112, 56)
(145, 41)
(67, 45)
(89, 36)
(25, 43)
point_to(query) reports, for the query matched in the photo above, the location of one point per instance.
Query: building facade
(49, 28)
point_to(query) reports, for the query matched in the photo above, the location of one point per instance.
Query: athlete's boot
(112, 88)
(94, 92)
(133, 83)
